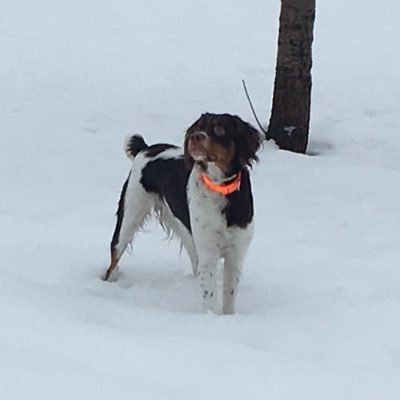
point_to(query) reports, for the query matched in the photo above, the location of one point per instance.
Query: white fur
(170, 153)
(138, 205)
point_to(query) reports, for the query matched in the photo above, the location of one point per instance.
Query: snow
(318, 310)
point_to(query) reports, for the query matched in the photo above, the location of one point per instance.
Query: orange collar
(223, 188)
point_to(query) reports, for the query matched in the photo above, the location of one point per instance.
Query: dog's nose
(198, 136)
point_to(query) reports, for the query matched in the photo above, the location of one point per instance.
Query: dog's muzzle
(198, 146)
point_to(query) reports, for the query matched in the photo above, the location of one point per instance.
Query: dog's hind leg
(134, 206)
(194, 259)
(188, 244)
(173, 226)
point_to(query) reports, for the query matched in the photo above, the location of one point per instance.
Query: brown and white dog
(202, 194)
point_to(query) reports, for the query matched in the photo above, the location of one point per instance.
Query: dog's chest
(205, 207)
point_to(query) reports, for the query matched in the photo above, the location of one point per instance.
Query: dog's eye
(219, 130)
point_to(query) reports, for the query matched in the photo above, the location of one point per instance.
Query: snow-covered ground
(319, 303)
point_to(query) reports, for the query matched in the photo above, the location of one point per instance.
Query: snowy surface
(319, 303)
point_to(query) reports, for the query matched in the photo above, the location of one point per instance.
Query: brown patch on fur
(223, 156)
(113, 265)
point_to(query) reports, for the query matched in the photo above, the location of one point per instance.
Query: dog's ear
(249, 142)
(188, 159)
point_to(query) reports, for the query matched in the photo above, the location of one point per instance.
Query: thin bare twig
(252, 108)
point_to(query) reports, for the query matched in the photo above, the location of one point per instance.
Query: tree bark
(290, 116)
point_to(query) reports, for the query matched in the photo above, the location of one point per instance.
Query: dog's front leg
(207, 270)
(233, 262)
(232, 271)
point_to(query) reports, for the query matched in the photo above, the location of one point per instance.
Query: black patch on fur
(240, 211)
(168, 178)
(120, 215)
(156, 149)
(135, 145)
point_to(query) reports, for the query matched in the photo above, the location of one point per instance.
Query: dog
(201, 193)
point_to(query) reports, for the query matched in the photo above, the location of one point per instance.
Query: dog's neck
(215, 180)
(215, 173)
(225, 188)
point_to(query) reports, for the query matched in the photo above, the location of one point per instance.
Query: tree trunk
(290, 117)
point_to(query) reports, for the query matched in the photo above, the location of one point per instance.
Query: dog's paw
(110, 276)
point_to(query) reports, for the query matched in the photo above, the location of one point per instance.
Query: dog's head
(224, 140)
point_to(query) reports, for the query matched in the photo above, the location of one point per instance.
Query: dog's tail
(134, 145)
